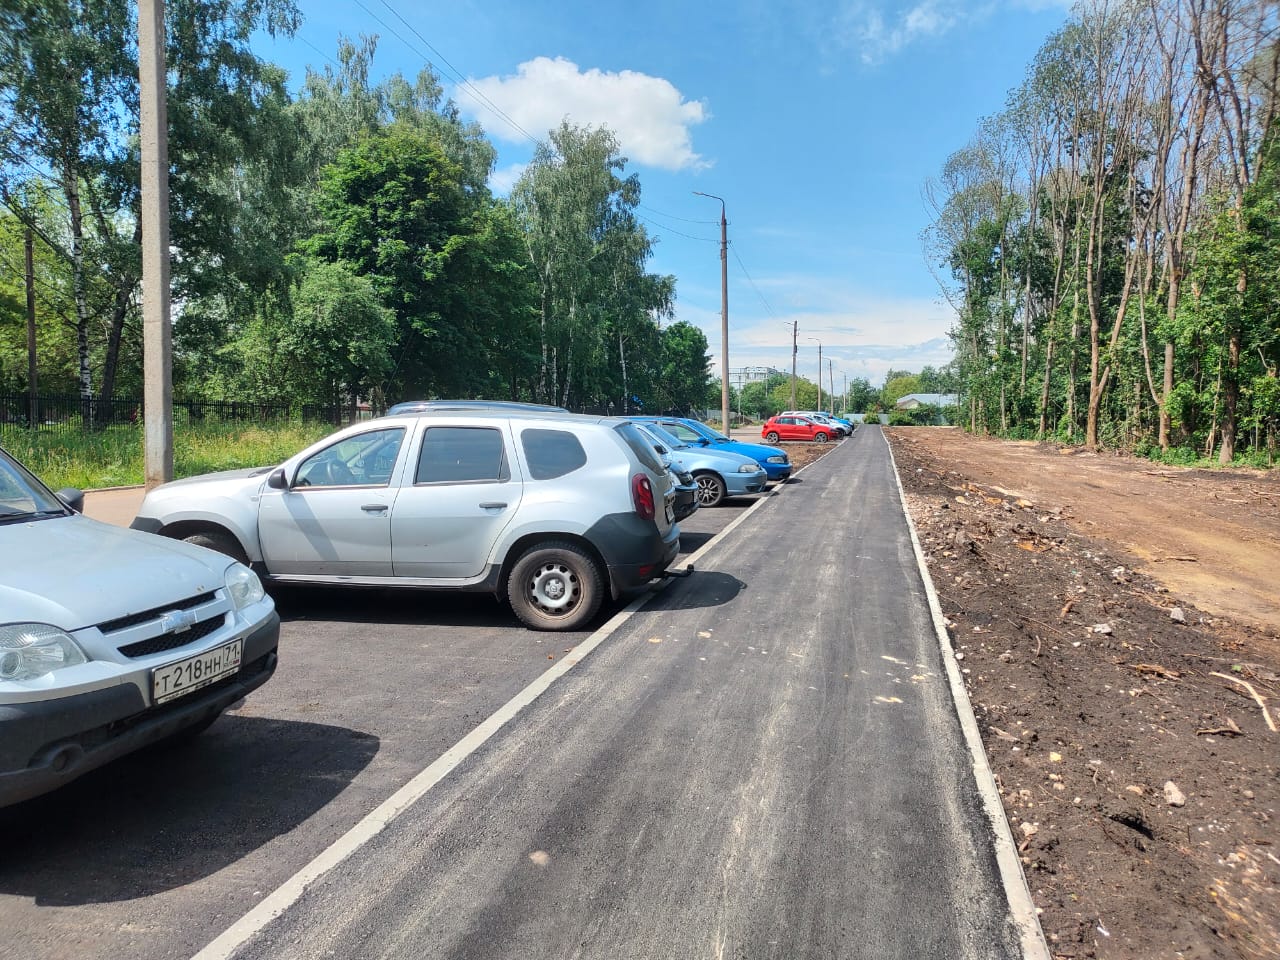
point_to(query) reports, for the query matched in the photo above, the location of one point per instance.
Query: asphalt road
(764, 761)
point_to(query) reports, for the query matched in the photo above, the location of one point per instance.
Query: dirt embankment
(1118, 626)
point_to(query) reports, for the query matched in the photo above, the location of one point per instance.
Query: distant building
(913, 400)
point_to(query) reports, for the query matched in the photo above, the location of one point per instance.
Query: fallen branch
(1066, 608)
(1162, 672)
(1183, 559)
(1260, 700)
(1232, 729)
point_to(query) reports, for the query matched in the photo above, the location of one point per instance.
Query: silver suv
(111, 640)
(546, 510)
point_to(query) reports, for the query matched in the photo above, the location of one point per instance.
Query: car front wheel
(223, 543)
(820, 437)
(711, 490)
(555, 586)
(772, 436)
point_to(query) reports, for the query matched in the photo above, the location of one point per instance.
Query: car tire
(555, 586)
(820, 437)
(771, 436)
(223, 543)
(711, 491)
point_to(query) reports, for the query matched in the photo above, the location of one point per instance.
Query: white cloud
(862, 336)
(502, 180)
(877, 33)
(651, 118)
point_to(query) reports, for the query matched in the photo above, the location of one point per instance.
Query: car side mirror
(661, 449)
(278, 480)
(72, 497)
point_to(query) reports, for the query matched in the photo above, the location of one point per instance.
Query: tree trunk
(71, 186)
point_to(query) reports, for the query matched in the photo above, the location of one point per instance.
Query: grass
(114, 457)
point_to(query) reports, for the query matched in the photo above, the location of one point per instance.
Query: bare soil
(1118, 627)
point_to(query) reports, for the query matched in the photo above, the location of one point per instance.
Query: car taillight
(642, 496)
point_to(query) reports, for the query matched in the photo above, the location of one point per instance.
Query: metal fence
(76, 414)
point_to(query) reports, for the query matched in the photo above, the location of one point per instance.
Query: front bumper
(49, 743)
(737, 484)
(777, 472)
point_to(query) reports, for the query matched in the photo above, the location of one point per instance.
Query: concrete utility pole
(33, 390)
(724, 312)
(795, 329)
(831, 384)
(157, 338)
(819, 343)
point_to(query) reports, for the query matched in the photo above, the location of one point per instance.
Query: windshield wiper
(30, 515)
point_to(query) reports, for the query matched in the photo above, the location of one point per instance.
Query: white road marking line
(289, 892)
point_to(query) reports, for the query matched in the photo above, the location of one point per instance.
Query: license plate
(186, 676)
(669, 502)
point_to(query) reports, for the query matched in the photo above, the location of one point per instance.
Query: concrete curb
(1022, 908)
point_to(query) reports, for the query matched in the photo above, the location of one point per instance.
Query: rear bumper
(52, 742)
(634, 550)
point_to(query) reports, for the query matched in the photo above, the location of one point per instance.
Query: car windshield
(705, 431)
(22, 496)
(666, 438)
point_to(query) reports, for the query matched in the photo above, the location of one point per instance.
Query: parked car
(437, 406)
(548, 511)
(840, 427)
(718, 473)
(110, 639)
(776, 463)
(686, 493)
(795, 428)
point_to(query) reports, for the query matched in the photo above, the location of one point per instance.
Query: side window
(552, 453)
(461, 455)
(364, 460)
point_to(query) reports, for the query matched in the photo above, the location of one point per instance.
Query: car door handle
(374, 508)
(492, 505)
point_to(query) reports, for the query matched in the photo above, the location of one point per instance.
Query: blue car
(719, 474)
(775, 462)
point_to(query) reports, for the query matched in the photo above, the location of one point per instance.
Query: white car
(111, 639)
(549, 511)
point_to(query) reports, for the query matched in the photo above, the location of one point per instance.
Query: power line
(666, 229)
(753, 283)
(452, 72)
(672, 216)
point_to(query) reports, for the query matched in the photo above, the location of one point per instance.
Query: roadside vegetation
(113, 456)
(1109, 240)
(336, 244)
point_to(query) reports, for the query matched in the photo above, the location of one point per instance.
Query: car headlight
(749, 468)
(782, 459)
(30, 650)
(243, 586)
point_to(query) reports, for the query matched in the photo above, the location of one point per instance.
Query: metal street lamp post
(724, 312)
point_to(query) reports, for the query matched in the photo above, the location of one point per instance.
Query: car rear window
(552, 453)
(640, 447)
(461, 454)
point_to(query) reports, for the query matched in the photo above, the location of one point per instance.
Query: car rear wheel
(772, 436)
(820, 437)
(555, 586)
(711, 490)
(223, 543)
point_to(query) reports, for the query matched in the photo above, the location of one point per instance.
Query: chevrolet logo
(177, 621)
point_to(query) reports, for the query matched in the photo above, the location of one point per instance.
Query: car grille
(171, 641)
(123, 623)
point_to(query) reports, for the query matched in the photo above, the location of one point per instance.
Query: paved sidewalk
(116, 505)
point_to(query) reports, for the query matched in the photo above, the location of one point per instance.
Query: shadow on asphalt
(174, 814)
(402, 607)
(704, 589)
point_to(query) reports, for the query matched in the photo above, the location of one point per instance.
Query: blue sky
(818, 122)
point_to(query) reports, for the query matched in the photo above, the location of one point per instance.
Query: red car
(794, 428)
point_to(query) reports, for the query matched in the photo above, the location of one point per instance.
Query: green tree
(69, 75)
(683, 381)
